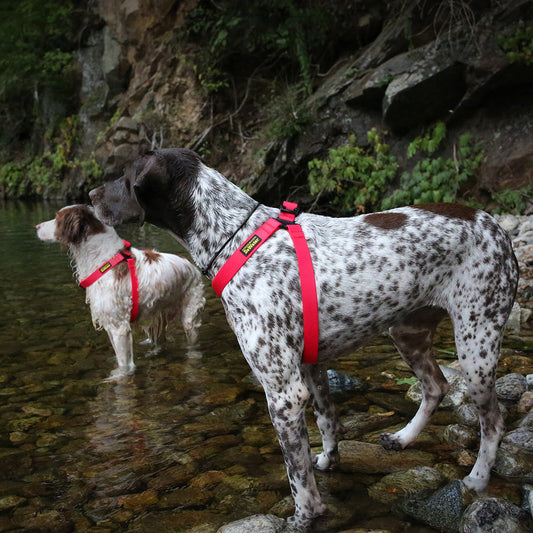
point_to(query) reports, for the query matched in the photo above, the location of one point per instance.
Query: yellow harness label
(248, 247)
(105, 267)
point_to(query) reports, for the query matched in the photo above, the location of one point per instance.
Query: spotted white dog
(401, 270)
(170, 287)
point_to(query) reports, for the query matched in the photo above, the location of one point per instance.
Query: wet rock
(527, 504)
(361, 423)
(488, 515)
(526, 402)
(370, 458)
(514, 460)
(442, 509)
(511, 387)
(457, 395)
(139, 502)
(460, 436)
(8, 502)
(402, 484)
(342, 384)
(257, 523)
(529, 381)
(48, 520)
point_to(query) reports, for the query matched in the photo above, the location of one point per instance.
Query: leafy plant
(287, 33)
(436, 179)
(513, 201)
(357, 177)
(519, 46)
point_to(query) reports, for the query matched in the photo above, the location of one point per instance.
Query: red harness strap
(123, 255)
(305, 265)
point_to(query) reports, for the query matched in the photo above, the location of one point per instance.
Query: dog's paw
(390, 442)
(476, 484)
(325, 461)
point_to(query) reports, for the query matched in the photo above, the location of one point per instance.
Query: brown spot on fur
(75, 224)
(152, 256)
(121, 271)
(462, 212)
(386, 220)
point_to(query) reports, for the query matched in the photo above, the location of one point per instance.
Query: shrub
(356, 176)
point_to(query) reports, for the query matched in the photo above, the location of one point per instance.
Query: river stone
(457, 395)
(258, 523)
(514, 462)
(370, 458)
(442, 509)
(460, 436)
(401, 484)
(511, 387)
(342, 384)
(489, 515)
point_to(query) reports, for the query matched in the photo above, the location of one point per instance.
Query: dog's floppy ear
(74, 224)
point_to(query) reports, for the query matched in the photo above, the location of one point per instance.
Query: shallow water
(184, 445)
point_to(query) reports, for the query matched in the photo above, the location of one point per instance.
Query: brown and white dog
(401, 270)
(170, 287)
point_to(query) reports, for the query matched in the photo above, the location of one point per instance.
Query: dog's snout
(38, 226)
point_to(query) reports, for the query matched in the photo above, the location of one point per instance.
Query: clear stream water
(184, 445)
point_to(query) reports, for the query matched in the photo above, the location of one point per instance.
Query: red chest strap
(305, 266)
(123, 255)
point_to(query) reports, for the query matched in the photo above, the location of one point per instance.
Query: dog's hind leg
(287, 405)
(316, 378)
(478, 353)
(414, 344)
(122, 342)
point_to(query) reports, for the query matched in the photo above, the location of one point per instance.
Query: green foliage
(360, 180)
(36, 45)
(284, 33)
(513, 201)
(519, 46)
(357, 177)
(435, 179)
(286, 115)
(42, 175)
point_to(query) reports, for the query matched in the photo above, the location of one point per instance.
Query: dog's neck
(220, 209)
(94, 251)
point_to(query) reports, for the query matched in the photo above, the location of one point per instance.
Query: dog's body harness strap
(123, 255)
(305, 266)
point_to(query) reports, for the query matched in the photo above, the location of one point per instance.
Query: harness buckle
(294, 211)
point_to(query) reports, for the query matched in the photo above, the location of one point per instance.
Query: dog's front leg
(122, 342)
(316, 378)
(287, 411)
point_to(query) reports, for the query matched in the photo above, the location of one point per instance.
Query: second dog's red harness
(123, 255)
(289, 211)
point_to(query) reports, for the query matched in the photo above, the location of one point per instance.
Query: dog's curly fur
(170, 287)
(401, 270)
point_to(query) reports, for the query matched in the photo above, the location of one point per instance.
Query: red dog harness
(123, 255)
(289, 211)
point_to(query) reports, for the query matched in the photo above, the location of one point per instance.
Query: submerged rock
(370, 458)
(257, 523)
(341, 384)
(442, 509)
(489, 515)
(405, 484)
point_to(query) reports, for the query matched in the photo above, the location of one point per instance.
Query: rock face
(408, 66)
